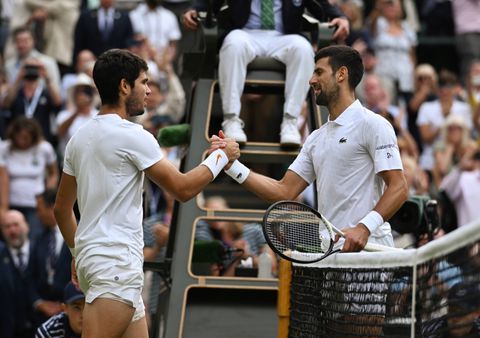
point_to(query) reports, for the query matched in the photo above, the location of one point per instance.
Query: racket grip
(372, 247)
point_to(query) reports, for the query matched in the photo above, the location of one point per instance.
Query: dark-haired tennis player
(353, 157)
(104, 168)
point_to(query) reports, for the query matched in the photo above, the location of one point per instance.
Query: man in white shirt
(158, 24)
(104, 168)
(353, 158)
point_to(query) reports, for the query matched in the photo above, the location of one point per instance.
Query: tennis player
(353, 157)
(104, 168)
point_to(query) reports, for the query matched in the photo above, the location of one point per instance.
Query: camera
(32, 72)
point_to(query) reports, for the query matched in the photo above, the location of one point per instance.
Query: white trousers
(241, 46)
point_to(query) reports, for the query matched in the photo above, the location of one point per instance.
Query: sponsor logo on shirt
(342, 140)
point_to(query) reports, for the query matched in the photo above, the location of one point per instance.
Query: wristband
(238, 171)
(215, 162)
(372, 221)
(72, 251)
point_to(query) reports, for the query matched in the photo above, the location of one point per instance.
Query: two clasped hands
(228, 145)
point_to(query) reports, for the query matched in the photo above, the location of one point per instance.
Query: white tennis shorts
(113, 272)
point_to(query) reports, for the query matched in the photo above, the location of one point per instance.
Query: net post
(283, 300)
(414, 302)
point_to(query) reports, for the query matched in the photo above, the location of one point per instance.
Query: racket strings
(292, 227)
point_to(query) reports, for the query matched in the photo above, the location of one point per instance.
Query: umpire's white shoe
(233, 128)
(289, 134)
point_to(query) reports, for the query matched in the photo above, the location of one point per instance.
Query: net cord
(465, 235)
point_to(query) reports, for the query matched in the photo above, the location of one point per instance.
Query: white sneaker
(233, 128)
(289, 134)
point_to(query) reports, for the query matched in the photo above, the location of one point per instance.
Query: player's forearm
(267, 188)
(392, 199)
(67, 224)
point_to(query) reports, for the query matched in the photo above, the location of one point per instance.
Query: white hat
(82, 80)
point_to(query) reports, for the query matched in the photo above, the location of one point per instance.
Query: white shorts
(113, 272)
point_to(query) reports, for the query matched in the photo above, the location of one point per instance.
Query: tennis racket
(291, 226)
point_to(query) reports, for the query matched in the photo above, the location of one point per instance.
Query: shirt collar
(25, 249)
(348, 115)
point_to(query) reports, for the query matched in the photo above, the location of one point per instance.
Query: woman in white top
(82, 99)
(31, 165)
(394, 42)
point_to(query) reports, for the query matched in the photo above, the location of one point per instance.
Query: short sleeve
(144, 150)
(174, 33)
(49, 153)
(68, 167)
(3, 154)
(303, 164)
(423, 114)
(382, 145)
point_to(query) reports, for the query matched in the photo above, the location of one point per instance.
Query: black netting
(379, 302)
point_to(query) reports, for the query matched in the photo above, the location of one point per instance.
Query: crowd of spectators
(48, 49)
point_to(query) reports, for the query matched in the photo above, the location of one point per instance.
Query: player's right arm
(66, 197)
(185, 186)
(271, 190)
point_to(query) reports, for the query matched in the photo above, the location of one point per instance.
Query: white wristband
(372, 221)
(72, 251)
(238, 171)
(216, 161)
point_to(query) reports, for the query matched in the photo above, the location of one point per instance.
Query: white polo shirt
(344, 156)
(107, 156)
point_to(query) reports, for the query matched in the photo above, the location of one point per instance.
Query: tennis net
(432, 291)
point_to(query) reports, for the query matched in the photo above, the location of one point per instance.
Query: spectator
(4, 186)
(273, 34)
(158, 24)
(52, 23)
(394, 42)
(139, 45)
(467, 32)
(84, 58)
(82, 97)
(166, 100)
(417, 179)
(432, 115)
(247, 237)
(425, 89)
(5, 17)
(156, 229)
(378, 101)
(454, 143)
(31, 166)
(463, 317)
(473, 92)
(51, 258)
(100, 29)
(25, 49)
(33, 95)
(67, 324)
(16, 264)
(7, 317)
(462, 186)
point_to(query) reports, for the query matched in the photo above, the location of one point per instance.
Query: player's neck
(339, 106)
(113, 109)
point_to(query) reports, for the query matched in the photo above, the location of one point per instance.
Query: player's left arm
(394, 195)
(66, 197)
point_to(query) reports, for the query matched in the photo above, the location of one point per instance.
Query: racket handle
(371, 247)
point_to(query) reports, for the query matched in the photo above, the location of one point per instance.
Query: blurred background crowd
(422, 73)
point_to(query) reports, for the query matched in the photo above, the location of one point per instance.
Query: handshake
(223, 152)
(227, 145)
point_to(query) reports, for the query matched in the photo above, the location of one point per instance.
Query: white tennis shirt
(107, 156)
(344, 157)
